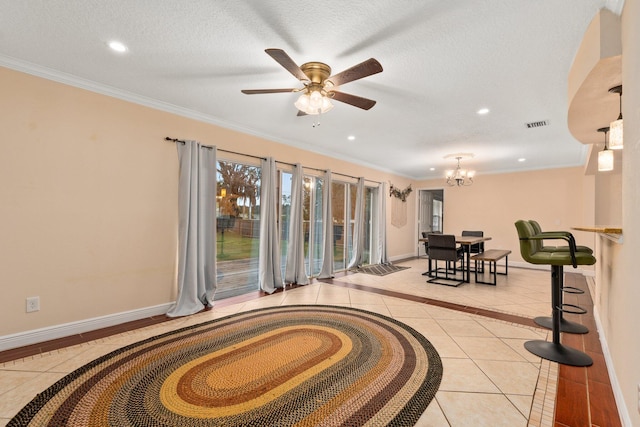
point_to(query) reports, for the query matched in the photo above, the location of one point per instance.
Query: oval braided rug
(280, 366)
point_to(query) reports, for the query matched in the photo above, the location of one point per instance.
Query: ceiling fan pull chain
(317, 122)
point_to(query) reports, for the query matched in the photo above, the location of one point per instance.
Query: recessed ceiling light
(521, 159)
(117, 46)
(432, 169)
(351, 137)
(483, 111)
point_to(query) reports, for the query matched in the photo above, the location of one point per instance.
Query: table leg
(428, 272)
(468, 263)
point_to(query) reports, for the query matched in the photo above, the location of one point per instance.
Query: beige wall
(609, 193)
(88, 216)
(89, 192)
(619, 292)
(557, 198)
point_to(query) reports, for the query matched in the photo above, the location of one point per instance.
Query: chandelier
(459, 177)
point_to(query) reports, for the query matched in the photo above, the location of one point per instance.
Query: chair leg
(449, 274)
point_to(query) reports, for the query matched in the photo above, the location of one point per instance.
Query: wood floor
(584, 395)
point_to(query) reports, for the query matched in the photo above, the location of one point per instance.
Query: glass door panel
(284, 215)
(238, 228)
(338, 201)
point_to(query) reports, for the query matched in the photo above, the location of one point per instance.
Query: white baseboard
(615, 385)
(402, 257)
(35, 336)
(567, 269)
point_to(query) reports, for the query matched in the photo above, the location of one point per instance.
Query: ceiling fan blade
(363, 69)
(356, 101)
(301, 113)
(259, 91)
(285, 60)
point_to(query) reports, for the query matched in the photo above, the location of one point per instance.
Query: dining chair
(443, 247)
(426, 244)
(425, 234)
(476, 248)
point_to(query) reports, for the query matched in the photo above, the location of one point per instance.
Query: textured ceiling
(442, 60)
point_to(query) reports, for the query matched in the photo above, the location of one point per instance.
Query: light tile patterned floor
(489, 378)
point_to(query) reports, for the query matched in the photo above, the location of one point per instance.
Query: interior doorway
(430, 214)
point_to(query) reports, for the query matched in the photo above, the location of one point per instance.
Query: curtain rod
(324, 170)
(355, 177)
(182, 142)
(304, 167)
(219, 149)
(277, 161)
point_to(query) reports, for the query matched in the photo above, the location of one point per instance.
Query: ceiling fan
(319, 85)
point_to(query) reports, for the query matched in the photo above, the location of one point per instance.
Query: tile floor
(489, 378)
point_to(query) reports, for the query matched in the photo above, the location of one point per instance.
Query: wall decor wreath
(400, 194)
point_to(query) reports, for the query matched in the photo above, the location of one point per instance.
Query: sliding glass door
(238, 223)
(238, 228)
(344, 216)
(311, 220)
(370, 232)
(313, 187)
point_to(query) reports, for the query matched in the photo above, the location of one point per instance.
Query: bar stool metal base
(565, 325)
(558, 353)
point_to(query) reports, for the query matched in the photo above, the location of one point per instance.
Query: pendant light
(605, 157)
(615, 137)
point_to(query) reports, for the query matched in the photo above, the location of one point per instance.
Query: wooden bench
(492, 256)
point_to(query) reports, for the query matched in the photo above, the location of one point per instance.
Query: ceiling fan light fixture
(317, 77)
(313, 103)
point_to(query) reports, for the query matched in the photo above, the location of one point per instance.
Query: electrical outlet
(33, 304)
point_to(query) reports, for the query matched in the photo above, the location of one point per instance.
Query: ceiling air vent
(537, 124)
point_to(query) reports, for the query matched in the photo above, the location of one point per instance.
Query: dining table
(465, 242)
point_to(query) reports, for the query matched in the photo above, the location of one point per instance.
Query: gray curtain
(196, 229)
(294, 270)
(357, 253)
(379, 255)
(327, 229)
(269, 273)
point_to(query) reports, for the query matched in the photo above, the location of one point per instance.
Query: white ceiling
(442, 60)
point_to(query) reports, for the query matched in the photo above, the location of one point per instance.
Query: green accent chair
(529, 244)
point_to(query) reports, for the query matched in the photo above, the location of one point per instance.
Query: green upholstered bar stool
(538, 230)
(554, 350)
(547, 321)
